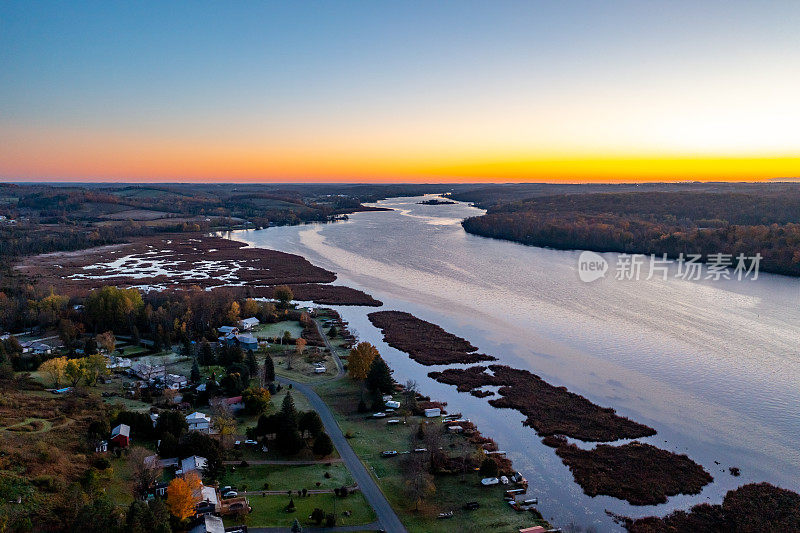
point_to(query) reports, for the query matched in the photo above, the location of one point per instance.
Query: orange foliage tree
(181, 495)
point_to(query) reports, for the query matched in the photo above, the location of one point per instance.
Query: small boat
(448, 514)
(504, 480)
(489, 481)
(531, 501)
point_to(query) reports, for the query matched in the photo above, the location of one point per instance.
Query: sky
(399, 91)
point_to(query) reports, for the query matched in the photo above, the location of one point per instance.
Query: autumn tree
(250, 308)
(283, 294)
(106, 341)
(145, 469)
(93, 367)
(73, 372)
(54, 369)
(299, 346)
(256, 400)
(181, 498)
(233, 314)
(361, 357)
(224, 422)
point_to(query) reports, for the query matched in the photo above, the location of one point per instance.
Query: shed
(121, 435)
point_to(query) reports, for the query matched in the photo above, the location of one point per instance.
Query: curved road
(386, 516)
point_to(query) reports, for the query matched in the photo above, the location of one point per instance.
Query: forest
(764, 221)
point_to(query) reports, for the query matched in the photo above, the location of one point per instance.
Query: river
(712, 365)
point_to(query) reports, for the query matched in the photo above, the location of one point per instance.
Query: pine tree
(269, 369)
(379, 378)
(195, 376)
(252, 364)
(288, 410)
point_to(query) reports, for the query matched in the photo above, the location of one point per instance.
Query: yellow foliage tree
(361, 357)
(250, 308)
(54, 369)
(181, 498)
(233, 313)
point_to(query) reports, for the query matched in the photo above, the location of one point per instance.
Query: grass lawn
(371, 436)
(285, 477)
(263, 331)
(269, 510)
(118, 485)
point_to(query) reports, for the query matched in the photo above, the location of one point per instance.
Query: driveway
(386, 516)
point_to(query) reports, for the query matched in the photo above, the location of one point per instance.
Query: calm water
(714, 366)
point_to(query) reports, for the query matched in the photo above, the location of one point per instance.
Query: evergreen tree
(323, 446)
(379, 377)
(252, 364)
(195, 376)
(288, 410)
(269, 370)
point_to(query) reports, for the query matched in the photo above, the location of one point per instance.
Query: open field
(287, 477)
(268, 511)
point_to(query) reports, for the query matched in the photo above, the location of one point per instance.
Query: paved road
(386, 516)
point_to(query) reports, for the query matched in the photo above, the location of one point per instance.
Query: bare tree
(145, 469)
(419, 482)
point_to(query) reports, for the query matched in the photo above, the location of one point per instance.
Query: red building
(121, 435)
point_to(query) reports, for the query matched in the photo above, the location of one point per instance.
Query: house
(121, 435)
(433, 412)
(159, 489)
(40, 348)
(209, 524)
(195, 464)
(247, 342)
(176, 381)
(228, 330)
(235, 403)
(147, 372)
(248, 323)
(119, 362)
(154, 461)
(199, 422)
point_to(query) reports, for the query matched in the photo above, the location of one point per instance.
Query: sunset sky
(399, 91)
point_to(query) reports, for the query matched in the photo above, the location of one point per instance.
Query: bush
(318, 515)
(330, 520)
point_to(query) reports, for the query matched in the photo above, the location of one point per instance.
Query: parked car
(225, 489)
(504, 480)
(489, 481)
(379, 415)
(230, 494)
(251, 442)
(420, 450)
(389, 453)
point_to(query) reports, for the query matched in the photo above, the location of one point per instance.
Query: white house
(195, 464)
(248, 323)
(176, 381)
(199, 422)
